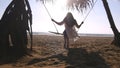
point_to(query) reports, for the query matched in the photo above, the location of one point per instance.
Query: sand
(86, 52)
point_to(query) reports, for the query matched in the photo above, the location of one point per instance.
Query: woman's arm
(81, 24)
(59, 23)
(78, 26)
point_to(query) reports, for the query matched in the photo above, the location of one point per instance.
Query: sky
(95, 23)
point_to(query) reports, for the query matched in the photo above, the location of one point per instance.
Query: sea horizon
(80, 34)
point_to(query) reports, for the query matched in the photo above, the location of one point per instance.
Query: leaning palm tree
(84, 4)
(116, 40)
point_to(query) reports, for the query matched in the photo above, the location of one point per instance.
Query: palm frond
(80, 5)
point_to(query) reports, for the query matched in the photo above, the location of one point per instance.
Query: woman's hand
(53, 20)
(59, 23)
(81, 24)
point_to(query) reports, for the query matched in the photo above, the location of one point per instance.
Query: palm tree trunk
(116, 40)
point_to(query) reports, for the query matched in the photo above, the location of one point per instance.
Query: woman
(69, 32)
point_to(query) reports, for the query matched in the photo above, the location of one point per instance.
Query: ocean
(80, 34)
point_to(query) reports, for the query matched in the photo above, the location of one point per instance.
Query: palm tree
(116, 40)
(80, 5)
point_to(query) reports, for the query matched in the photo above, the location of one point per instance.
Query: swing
(88, 14)
(54, 23)
(56, 33)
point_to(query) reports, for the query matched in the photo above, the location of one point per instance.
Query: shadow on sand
(13, 55)
(76, 58)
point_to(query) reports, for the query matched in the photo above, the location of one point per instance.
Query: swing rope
(88, 14)
(51, 18)
(80, 24)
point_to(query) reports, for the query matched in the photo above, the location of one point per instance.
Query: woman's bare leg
(67, 40)
(64, 41)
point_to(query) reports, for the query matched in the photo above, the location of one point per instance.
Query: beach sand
(86, 52)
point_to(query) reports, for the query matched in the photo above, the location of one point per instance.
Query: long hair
(70, 21)
(69, 16)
